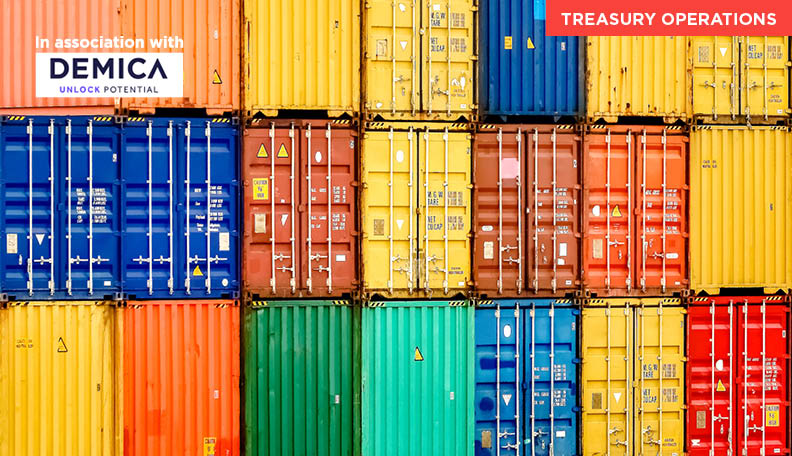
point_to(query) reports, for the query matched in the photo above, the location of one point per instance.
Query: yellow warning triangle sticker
(216, 78)
(197, 271)
(720, 387)
(262, 153)
(418, 355)
(530, 43)
(616, 212)
(282, 153)
(62, 346)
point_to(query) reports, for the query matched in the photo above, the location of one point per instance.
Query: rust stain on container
(21, 22)
(527, 185)
(310, 243)
(210, 30)
(636, 236)
(181, 372)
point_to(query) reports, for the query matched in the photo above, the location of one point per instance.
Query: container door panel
(497, 396)
(608, 178)
(711, 380)
(607, 373)
(500, 204)
(661, 246)
(328, 254)
(549, 408)
(765, 76)
(716, 79)
(553, 195)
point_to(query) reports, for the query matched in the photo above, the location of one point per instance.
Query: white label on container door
(672, 256)
(399, 155)
(452, 395)
(436, 7)
(260, 223)
(225, 241)
(489, 250)
(340, 258)
(486, 228)
(108, 283)
(595, 210)
(561, 434)
(12, 246)
(560, 261)
(562, 249)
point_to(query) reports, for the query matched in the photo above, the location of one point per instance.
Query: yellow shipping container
(740, 78)
(59, 379)
(419, 59)
(740, 208)
(416, 211)
(637, 76)
(633, 377)
(302, 55)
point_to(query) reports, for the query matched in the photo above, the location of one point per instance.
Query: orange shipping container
(21, 22)
(181, 378)
(210, 30)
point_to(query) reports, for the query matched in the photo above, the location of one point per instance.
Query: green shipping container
(300, 378)
(417, 378)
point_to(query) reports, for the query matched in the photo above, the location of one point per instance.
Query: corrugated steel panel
(417, 378)
(210, 30)
(21, 23)
(635, 189)
(412, 181)
(181, 371)
(427, 51)
(637, 76)
(526, 196)
(524, 72)
(170, 186)
(633, 378)
(60, 201)
(301, 378)
(738, 372)
(302, 55)
(59, 379)
(740, 208)
(526, 378)
(321, 157)
(740, 78)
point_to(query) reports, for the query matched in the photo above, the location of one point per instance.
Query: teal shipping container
(417, 378)
(300, 376)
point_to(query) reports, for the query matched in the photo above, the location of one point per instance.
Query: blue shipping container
(524, 72)
(515, 343)
(75, 206)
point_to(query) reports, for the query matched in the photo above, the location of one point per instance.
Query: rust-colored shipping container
(738, 392)
(21, 22)
(210, 30)
(305, 173)
(181, 378)
(636, 228)
(526, 196)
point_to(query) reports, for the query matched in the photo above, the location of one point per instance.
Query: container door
(149, 208)
(447, 84)
(659, 426)
(498, 381)
(210, 209)
(608, 179)
(389, 200)
(716, 81)
(765, 76)
(499, 251)
(328, 203)
(607, 336)
(553, 195)
(27, 169)
(661, 220)
(762, 389)
(712, 374)
(392, 47)
(92, 225)
(444, 180)
(549, 340)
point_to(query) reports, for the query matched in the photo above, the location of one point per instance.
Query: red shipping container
(738, 376)
(635, 239)
(181, 377)
(305, 173)
(526, 194)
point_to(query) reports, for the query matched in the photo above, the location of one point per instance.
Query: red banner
(668, 18)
